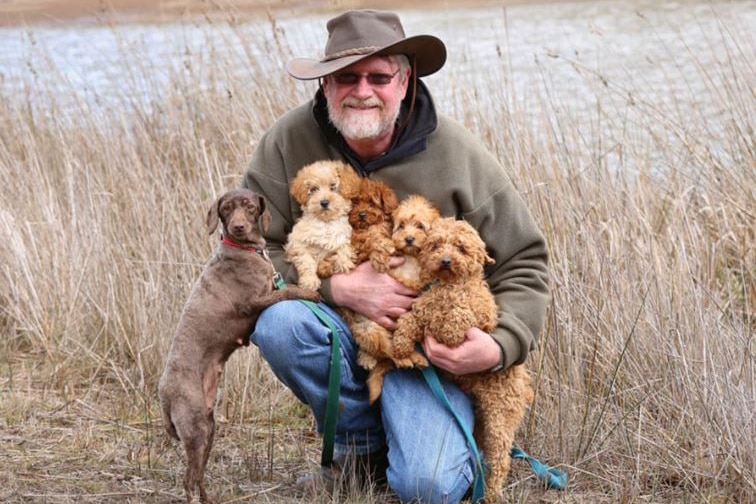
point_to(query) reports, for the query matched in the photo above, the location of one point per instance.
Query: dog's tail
(165, 406)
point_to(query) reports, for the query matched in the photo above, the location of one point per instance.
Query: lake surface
(672, 56)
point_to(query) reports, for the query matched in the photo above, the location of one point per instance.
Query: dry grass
(645, 375)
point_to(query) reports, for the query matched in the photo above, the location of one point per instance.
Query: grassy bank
(645, 372)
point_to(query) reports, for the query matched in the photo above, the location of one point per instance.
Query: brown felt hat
(359, 34)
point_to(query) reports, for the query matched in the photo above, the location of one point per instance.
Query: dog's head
(325, 188)
(243, 215)
(453, 252)
(412, 220)
(372, 205)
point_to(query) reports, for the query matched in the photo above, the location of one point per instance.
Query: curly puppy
(319, 244)
(411, 221)
(370, 218)
(452, 262)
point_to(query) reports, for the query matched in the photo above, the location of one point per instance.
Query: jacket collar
(411, 140)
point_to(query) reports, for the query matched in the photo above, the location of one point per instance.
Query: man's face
(361, 110)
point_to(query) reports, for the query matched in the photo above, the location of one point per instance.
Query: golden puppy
(452, 262)
(410, 223)
(319, 244)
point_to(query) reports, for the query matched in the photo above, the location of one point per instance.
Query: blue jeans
(429, 460)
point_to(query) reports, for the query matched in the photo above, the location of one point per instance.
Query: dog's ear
(390, 201)
(298, 189)
(265, 216)
(212, 217)
(349, 181)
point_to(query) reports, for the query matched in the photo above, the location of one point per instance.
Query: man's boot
(347, 471)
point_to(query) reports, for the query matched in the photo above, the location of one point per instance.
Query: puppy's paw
(380, 262)
(309, 282)
(366, 361)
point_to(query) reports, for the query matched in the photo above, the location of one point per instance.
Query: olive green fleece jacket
(441, 160)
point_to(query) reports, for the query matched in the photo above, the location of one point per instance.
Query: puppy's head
(243, 215)
(412, 220)
(325, 188)
(453, 252)
(372, 205)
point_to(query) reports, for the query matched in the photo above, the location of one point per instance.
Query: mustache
(366, 103)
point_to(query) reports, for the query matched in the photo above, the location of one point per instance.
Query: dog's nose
(446, 262)
(324, 203)
(362, 215)
(409, 240)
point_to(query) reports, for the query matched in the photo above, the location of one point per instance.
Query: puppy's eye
(312, 190)
(461, 248)
(334, 187)
(421, 226)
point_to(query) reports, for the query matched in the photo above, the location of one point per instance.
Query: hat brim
(429, 52)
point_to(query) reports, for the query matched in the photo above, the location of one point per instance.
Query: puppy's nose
(324, 203)
(409, 240)
(238, 228)
(446, 262)
(362, 215)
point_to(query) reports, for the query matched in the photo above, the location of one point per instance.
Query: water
(674, 58)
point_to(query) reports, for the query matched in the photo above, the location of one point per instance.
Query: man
(373, 111)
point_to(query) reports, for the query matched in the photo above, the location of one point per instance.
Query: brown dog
(452, 263)
(236, 285)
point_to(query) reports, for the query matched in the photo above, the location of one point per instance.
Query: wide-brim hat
(359, 34)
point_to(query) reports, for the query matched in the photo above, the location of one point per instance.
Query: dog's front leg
(407, 333)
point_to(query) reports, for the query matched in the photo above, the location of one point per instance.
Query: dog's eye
(334, 187)
(312, 190)
(461, 248)
(421, 226)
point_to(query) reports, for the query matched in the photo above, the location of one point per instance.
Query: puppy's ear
(349, 181)
(212, 217)
(390, 201)
(298, 190)
(265, 216)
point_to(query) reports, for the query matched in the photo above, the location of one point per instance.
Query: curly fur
(371, 220)
(319, 244)
(411, 221)
(452, 261)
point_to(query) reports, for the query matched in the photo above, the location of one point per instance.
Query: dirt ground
(20, 12)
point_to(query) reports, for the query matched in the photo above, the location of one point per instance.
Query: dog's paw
(366, 361)
(309, 282)
(308, 294)
(380, 262)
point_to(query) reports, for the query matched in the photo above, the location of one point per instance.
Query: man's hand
(479, 352)
(378, 296)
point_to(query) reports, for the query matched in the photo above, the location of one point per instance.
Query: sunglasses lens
(374, 79)
(346, 79)
(379, 79)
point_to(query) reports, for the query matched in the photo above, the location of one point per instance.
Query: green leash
(479, 482)
(334, 384)
(334, 378)
(550, 476)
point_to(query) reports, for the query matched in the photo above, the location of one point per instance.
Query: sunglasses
(374, 79)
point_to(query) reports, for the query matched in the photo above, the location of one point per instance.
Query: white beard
(362, 125)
